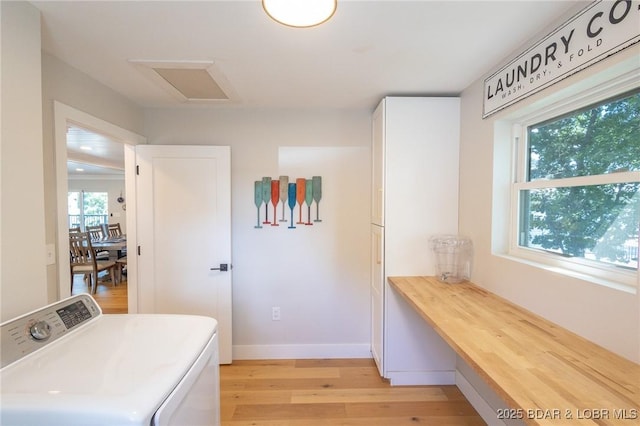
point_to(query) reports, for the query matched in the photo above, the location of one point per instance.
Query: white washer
(68, 364)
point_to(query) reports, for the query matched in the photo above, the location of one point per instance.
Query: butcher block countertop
(545, 373)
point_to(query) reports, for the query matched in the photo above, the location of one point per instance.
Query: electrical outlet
(275, 313)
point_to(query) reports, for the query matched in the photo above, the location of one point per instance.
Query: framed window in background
(576, 192)
(88, 208)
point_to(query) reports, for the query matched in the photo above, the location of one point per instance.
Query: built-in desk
(545, 373)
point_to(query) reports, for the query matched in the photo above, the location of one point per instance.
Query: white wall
(318, 275)
(22, 265)
(606, 316)
(63, 83)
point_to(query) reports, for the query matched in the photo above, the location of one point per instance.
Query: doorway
(97, 203)
(66, 117)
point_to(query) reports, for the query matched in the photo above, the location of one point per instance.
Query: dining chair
(83, 261)
(114, 230)
(96, 233)
(105, 229)
(122, 267)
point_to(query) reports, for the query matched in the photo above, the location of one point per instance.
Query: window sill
(614, 285)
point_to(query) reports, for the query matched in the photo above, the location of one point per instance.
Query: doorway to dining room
(93, 207)
(93, 156)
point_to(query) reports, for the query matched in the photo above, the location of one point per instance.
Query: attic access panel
(196, 81)
(193, 83)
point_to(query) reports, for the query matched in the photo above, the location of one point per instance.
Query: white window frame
(600, 273)
(81, 196)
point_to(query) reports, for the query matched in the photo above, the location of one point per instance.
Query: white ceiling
(369, 49)
(92, 154)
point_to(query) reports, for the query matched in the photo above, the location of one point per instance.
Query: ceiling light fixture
(300, 13)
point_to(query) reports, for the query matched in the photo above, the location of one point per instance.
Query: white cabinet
(377, 294)
(415, 152)
(377, 166)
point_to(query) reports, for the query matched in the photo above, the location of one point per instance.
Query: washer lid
(115, 371)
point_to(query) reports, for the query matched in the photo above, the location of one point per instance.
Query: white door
(184, 233)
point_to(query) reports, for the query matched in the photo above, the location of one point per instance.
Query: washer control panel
(26, 334)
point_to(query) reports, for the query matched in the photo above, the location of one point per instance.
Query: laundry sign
(598, 31)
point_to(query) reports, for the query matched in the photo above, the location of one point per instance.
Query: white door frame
(63, 116)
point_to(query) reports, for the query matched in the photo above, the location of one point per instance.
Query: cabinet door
(421, 180)
(377, 159)
(377, 295)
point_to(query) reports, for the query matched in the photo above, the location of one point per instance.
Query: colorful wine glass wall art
(257, 194)
(284, 194)
(301, 193)
(266, 197)
(275, 197)
(308, 199)
(291, 195)
(317, 195)
(282, 191)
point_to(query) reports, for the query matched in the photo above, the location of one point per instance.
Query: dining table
(116, 246)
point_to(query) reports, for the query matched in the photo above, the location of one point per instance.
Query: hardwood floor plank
(250, 397)
(413, 409)
(335, 362)
(405, 394)
(265, 362)
(289, 411)
(279, 372)
(310, 384)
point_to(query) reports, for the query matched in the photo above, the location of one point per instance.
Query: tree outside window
(88, 208)
(581, 198)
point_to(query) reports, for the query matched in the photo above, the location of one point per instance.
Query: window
(88, 208)
(578, 190)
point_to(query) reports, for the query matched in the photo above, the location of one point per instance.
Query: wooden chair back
(114, 230)
(80, 249)
(96, 232)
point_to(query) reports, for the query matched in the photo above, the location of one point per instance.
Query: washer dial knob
(41, 330)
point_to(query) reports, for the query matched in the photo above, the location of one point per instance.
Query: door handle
(223, 267)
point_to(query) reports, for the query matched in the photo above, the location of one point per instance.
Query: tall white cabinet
(415, 195)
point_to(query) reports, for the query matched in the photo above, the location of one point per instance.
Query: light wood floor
(330, 393)
(345, 392)
(112, 300)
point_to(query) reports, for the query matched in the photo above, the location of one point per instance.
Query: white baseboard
(485, 410)
(421, 378)
(301, 351)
